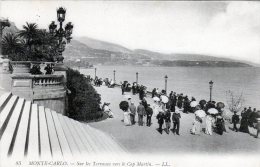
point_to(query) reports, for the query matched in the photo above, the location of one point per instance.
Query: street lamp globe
(52, 27)
(61, 14)
(211, 84)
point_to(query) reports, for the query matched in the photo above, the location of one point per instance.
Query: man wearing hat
(132, 109)
(149, 113)
(141, 113)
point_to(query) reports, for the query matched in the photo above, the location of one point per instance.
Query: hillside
(93, 51)
(97, 44)
(99, 52)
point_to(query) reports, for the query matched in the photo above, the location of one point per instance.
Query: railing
(47, 80)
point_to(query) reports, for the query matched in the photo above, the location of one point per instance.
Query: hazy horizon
(223, 29)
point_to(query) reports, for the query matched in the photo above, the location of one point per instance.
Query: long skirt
(127, 121)
(208, 129)
(196, 127)
(244, 125)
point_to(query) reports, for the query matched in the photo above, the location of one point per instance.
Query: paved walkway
(142, 139)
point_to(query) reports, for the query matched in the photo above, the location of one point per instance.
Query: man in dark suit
(235, 121)
(160, 118)
(167, 118)
(149, 113)
(141, 113)
(176, 122)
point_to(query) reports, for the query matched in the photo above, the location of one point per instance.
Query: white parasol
(156, 98)
(213, 111)
(200, 113)
(164, 99)
(194, 103)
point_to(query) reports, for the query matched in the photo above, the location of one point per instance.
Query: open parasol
(164, 99)
(193, 103)
(213, 111)
(156, 98)
(220, 105)
(200, 113)
(202, 102)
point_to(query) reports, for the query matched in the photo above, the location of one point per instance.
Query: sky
(224, 29)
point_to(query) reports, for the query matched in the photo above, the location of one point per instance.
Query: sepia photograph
(129, 83)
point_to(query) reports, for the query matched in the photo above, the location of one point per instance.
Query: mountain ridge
(156, 55)
(98, 51)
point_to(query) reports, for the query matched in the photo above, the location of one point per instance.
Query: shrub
(83, 101)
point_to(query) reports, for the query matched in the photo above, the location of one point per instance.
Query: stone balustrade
(46, 90)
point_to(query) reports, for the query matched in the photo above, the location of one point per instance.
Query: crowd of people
(208, 116)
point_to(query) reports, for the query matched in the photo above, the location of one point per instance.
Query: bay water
(191, 81)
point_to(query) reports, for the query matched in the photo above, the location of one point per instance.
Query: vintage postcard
(129, 83)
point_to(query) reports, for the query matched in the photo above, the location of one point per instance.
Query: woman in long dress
(196, 127)
(127, 121)
(155, 108)
(209, 123)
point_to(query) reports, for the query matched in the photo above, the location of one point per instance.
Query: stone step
(6, 113)
(66, 152)
(29, 130)
(74, 133)
(33, 140)
(53, 137)
(107, 140)
(45, 149)
(4, 99)
(99, 140)
(69, 136)
(20, 140)
(9, 134)
(87, 146)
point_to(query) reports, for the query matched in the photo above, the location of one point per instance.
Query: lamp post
(95, 72)
(136, 77)
(114, 76)
(3, 23)
(63, 35)
(210, 90)
(166, 77)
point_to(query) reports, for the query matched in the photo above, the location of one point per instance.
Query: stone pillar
(4, 65)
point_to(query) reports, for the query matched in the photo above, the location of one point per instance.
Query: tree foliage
(13, 46)
(31, 44)
(234, 101)
(83, 101)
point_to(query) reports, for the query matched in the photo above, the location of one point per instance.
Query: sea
(191, 81)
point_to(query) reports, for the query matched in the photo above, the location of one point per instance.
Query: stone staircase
(29, 130)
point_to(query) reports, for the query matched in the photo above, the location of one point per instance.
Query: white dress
(155, 108)
(209, 121)
(127, 121)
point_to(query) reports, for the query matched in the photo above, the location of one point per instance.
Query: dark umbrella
(202, 102)
(258, 114)
(220, 105)
(124, 105)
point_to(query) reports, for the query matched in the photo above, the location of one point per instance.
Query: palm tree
(13, 46)
(29, 33)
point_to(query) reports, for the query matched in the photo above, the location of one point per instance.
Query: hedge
(83, 100)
